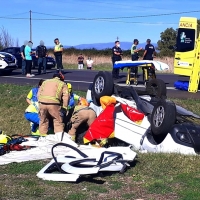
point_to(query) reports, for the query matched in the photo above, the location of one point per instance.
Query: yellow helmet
(69, 85)
(4, 138)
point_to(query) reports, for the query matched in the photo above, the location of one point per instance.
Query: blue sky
(74, 32)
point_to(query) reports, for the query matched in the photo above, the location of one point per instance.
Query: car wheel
(163, 117)
(157, 87)
(102, 85)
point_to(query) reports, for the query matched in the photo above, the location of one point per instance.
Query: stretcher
(148, 67)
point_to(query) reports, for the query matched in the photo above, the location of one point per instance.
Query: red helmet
(60, 76)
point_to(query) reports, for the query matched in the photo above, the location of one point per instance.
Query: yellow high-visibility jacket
(54, 91)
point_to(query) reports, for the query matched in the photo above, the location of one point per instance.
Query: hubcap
(155, 88)
(159, 116)
(99, 85)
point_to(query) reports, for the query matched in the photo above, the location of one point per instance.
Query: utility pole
(30, 26)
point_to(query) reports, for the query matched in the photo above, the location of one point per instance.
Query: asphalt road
(81, 80)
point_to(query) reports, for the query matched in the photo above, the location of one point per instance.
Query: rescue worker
(116, 56)
(51, 96)
(83, 113)
(58, 49)
(149, 54)
(73, 98)
(31, 114)
(41, 54)
(32, 95)
(134, 50)
(134, 56)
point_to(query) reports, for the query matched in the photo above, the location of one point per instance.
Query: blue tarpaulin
(181, 85)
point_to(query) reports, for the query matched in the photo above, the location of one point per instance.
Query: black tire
(157, 87)
(163, 117)
(102, 85)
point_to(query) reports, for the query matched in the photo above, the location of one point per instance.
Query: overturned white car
(163, 126)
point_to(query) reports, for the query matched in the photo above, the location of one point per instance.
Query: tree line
(93, 52)
(6, 39)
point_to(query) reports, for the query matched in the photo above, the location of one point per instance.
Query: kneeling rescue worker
(83, 113)
(53, 96)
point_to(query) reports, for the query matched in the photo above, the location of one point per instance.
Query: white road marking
(34, 78)
(142, 86)
(86, 82)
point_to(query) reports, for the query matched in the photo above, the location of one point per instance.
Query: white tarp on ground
(44, 146)
(41, 151)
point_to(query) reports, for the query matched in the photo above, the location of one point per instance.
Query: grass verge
(99, 67)
(152, 176)
(105, 67)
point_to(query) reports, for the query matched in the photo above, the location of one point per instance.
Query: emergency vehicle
(187, 51)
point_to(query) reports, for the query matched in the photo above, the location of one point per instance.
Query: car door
(17, 54)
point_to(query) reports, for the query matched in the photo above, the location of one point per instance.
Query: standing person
(89, 63)
(28, 52)
(134, 55)
(149, 51)
(134, 50)
(58, 50)
(41, 53)
(52, 94)
(22, 48)
(116, 56)
(80, 61)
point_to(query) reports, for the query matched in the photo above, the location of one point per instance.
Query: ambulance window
(185, 40)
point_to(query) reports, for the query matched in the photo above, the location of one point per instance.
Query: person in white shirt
(89, 62)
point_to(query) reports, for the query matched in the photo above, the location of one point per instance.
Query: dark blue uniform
(150, 50)
(149, 56)
(115, 72)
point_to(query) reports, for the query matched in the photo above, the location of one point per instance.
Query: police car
(8, 63)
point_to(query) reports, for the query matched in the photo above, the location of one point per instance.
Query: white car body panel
(4, 65)
(128, 155)
(129, 131)
(167, 146)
